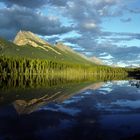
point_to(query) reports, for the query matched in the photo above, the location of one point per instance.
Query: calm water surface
(80, 111)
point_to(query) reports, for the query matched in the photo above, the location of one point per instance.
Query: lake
(62, 109)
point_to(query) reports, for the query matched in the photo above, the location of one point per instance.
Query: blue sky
(107, 29)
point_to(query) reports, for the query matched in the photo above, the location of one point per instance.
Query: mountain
(28, 38)
(63, 47)
(133, 66)
(67, 49)
(28, 44)
(96, 60)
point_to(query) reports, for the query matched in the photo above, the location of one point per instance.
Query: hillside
(27, 44)
(96, 60)
(68, 50)
(31, 55)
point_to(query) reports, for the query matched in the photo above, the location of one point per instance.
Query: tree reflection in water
(40, 108)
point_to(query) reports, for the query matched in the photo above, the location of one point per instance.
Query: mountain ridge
(27, 37)
(28, 44)
(96, 60)
(65, 48)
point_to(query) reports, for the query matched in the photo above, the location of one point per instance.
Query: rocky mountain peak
(27, 37)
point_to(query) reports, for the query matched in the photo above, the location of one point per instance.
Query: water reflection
(27, 94)
(99, 110)
(34, 89)
(135, 83)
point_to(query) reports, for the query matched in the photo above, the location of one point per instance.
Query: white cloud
(102, 54)
(106, 57)
(104, 1)
(89, 25)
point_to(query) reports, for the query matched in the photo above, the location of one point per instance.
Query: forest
(28, 66)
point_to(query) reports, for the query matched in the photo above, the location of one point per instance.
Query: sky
(107, 29)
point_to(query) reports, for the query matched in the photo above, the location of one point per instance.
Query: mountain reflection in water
(72, 110)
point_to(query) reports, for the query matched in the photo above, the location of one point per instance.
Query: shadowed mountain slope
(27, 44)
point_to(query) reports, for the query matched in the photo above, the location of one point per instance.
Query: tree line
(28, 66)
